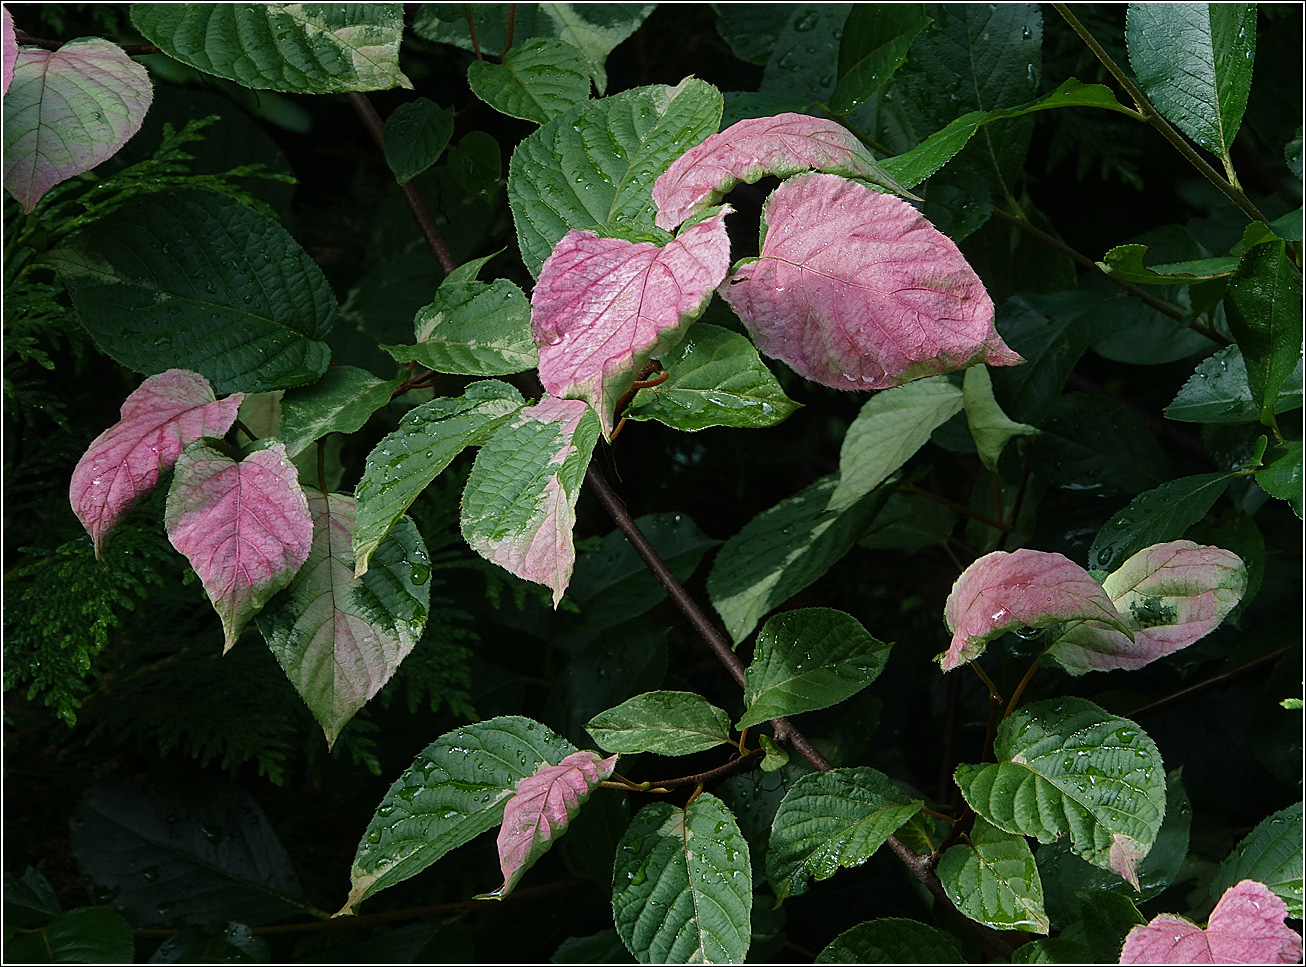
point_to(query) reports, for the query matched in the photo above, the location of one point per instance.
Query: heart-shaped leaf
(891, 940)
(856, 290)
(1270, 854)
(122, 464)
(1246, 927)
(993, 880)
(244, 527)
(415, 136)
(668, 723)
(537, 80)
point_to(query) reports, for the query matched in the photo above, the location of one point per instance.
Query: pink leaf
(68, 110)
(122, 464)
(8, 47)
(244, 527)
(1024, 588)
(753, 148)
(603, 307)
(856, 290)
(541, 808)
(1246, 927)
(1169, 596)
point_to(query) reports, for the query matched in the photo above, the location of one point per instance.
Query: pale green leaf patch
(993, 880)
(665, 722)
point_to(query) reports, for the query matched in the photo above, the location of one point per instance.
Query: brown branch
(741, 764)
(507, 42)
(471, 28)
(1174, 698)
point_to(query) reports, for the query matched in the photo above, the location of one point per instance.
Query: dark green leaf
(29, 900)
(1281, 476)
(876, 37)
(1097, 445)
(908, 523)
(1218, 392)
(1270, 854)
(604, 947)
(1126, 262)
(752, 29)
(668, 723)
(891, 940)
(86, 935)
(1156, 516)
(473, 328)
(416, 134)
(537, 80)
(993, 880)
(1108, 918)
(1055, 950)
(340, 402)
(805, 58)
(234, 944)
(1265, 314)
(476, 165)
(629, 659)
(1128, 331)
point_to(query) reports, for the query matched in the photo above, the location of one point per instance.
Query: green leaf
(407, 460)
(415, 136)
(1154, 517)
(86, 935)
(682, 886)
(1126, 262)
(989, 426)
(891, 940)
(455, 790)
(751, 30)
(806, 660)
(1194, 62)
(1265, 315)
(604, 947)
(29, 900)
(668, 723)
(302, 48)
(473, 328)
(1107, 918)
(993, 880)
(891, 426)
(1270, 854)
(909, 522)
(596, 164)
(1066, 766)
(235, 943)
(829, 820)
(536, 81)
(189, 279)
(804, 60)
(1281, 475)
(715, 378)
(784, 549)
(1097, 445)
(340, 402)
(1218, 392)
(476, 164)
(774, 756)
(1054, 950)
(876, 37)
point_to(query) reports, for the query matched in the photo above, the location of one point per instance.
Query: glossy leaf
(86, 935)
(476, 164)
(682, 886)
(415, 136)
(875, 41)
(1023, 589)
(891, 940)
(232, 943)
(123, 464)
(537, 80)
(1218, 392)
(407, 460)
(784, 549)
(228, 293)
(342, 401)
(854, 289)
(1169, 596)
(806, 660)
(1158, 515)
(993, 880)
(989, 426)
(596, 164)
(1246, 927)
(1107, 918)
(829, 820)
(519, 506)
(245, 527)
(1281, 476)
(803, 61)
(340, 638)
(301, 48)
(1067, 767)
(668, 723)
(473, 328)
(542, 808)
(1097, 445)
(604, 306)
(715, 378)
(1270, 854)
(66, 111)
(1265, 315)
(1126, 262)
(455, 790)
(756, 148)
(1194, 62)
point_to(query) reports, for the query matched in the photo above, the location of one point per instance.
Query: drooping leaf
(604, 306)
(806, 660)
(542, 808)
(829, 820)
(778, 146)
(668, 723)
(784, 549)
(1246, 927)
(407, 460)
(682, 886)
(473, 328)
(476, 164)
(891, 940)
(455, 790)
(1126, 262)
(596, 164)
(1281, 476)
(226, 293)
(339, 638)
(1270, 854)
(890, 427)
(875, 41)
(774, 756)
(86, 935)
(1025, 588)
(123, 464)
(1194, 62)
(715, 378)
(340, 402)
(301, 48)
(8, 50)
(537, 80)
(989, 426)
(854, 289)
(993, 880)
(1155, 516)
(1218, 392)
(1265, 315)
(1169, 595)
(1067, 767)
(520, 503)
(245, 527)
(66, 111)
(415, 136)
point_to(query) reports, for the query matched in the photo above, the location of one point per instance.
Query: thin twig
(741, 764)
(951, 504)
(471, 28)
(1174, 698)
(507, 43)
(1020, 689)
